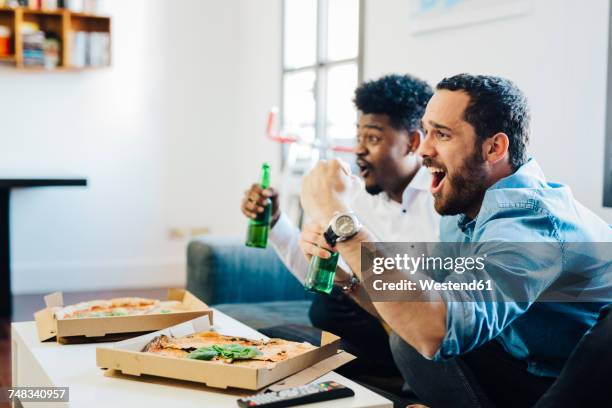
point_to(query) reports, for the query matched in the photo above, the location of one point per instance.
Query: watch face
(345, 225)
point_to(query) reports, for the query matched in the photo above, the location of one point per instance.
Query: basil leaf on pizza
(204, 353)
(227, 351)
(223, 349)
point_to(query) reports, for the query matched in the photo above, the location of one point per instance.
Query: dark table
(6, 184)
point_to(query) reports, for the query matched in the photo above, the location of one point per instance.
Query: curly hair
(496, 105)
(401, 97)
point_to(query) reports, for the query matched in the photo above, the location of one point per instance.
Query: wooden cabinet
(63, 25)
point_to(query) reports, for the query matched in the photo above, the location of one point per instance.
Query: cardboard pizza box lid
(45, 321)
(126, 357)
(311, 373)
(88, 329)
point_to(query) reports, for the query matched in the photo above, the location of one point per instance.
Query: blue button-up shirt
(524, 207)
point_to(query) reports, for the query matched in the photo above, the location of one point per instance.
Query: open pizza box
(125, 357)
(93, 329)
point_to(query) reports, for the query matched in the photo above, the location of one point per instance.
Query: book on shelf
(49, 4)
(76, 6)
(78, 57)
(41, 49)
(82, 6)
(90, 49)
(33, 48)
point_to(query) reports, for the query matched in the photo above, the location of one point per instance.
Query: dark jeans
(361, 333)
(586, 378)
(485, 377)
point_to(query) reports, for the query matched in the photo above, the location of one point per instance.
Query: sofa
(254, 287)
(251, 285)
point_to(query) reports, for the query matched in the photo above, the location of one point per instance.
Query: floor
(24, 307)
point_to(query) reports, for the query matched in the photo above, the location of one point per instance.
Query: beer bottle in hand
(321, 273)
(257, 234)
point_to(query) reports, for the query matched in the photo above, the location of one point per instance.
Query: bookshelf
(64, 26)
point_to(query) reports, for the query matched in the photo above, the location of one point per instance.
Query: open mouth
(437, 179)
(364, 168)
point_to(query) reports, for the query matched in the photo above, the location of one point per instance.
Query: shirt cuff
(282, 232)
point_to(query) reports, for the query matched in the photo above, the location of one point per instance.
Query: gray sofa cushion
(251, 285)
(224, 270)
(267, 314)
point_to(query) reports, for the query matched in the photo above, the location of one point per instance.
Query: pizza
(221, 349)
(126, 306)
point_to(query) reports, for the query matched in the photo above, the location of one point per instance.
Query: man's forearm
(361, 297)
(420, 321)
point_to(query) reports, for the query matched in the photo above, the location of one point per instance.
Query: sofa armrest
(224, 270)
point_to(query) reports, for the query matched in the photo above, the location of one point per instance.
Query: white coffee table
(50, 364)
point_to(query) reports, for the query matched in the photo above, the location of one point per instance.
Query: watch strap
(330, 236)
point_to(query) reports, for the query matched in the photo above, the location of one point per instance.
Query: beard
(374, 189)
(465, 189)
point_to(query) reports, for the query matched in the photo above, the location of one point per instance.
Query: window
(321, 61)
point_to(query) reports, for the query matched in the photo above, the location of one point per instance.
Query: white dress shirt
(414, 220)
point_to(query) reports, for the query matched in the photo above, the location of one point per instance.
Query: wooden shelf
(57, 12)
(86, 15)
(62, 23)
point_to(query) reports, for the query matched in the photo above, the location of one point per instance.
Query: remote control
(291, 397)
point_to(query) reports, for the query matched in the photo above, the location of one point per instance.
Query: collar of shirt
(529, 175)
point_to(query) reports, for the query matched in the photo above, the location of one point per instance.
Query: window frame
(320, 68)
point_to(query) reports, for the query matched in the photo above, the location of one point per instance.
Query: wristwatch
(343, 226)
(351, 285)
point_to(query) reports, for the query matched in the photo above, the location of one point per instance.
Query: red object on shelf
(5, 41)
(5, 47)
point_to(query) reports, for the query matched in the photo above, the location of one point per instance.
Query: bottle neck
(265, 176)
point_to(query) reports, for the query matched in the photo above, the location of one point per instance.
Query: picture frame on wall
(434, 15)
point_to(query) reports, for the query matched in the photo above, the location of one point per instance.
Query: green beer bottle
(321, 273)
(257, 234)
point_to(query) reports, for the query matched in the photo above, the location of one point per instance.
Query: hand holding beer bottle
(261, 205)
(322, 269)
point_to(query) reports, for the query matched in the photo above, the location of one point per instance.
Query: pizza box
(94, 329)
(126, 358)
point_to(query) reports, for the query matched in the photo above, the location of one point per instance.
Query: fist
(312, 243)
(256, 199)
(328, 188)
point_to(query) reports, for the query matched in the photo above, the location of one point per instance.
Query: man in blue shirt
(507, 347)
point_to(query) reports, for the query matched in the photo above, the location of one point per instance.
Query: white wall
(114, 127)
(169, 137)
(172, 135)
(218, 98)
(557, 54)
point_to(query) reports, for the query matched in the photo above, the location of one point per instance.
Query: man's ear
(496, 147)
(414, 141)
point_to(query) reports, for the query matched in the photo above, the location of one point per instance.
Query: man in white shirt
(395, 203)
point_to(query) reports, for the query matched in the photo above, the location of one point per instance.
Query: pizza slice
(126, 306)
(221, 349)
